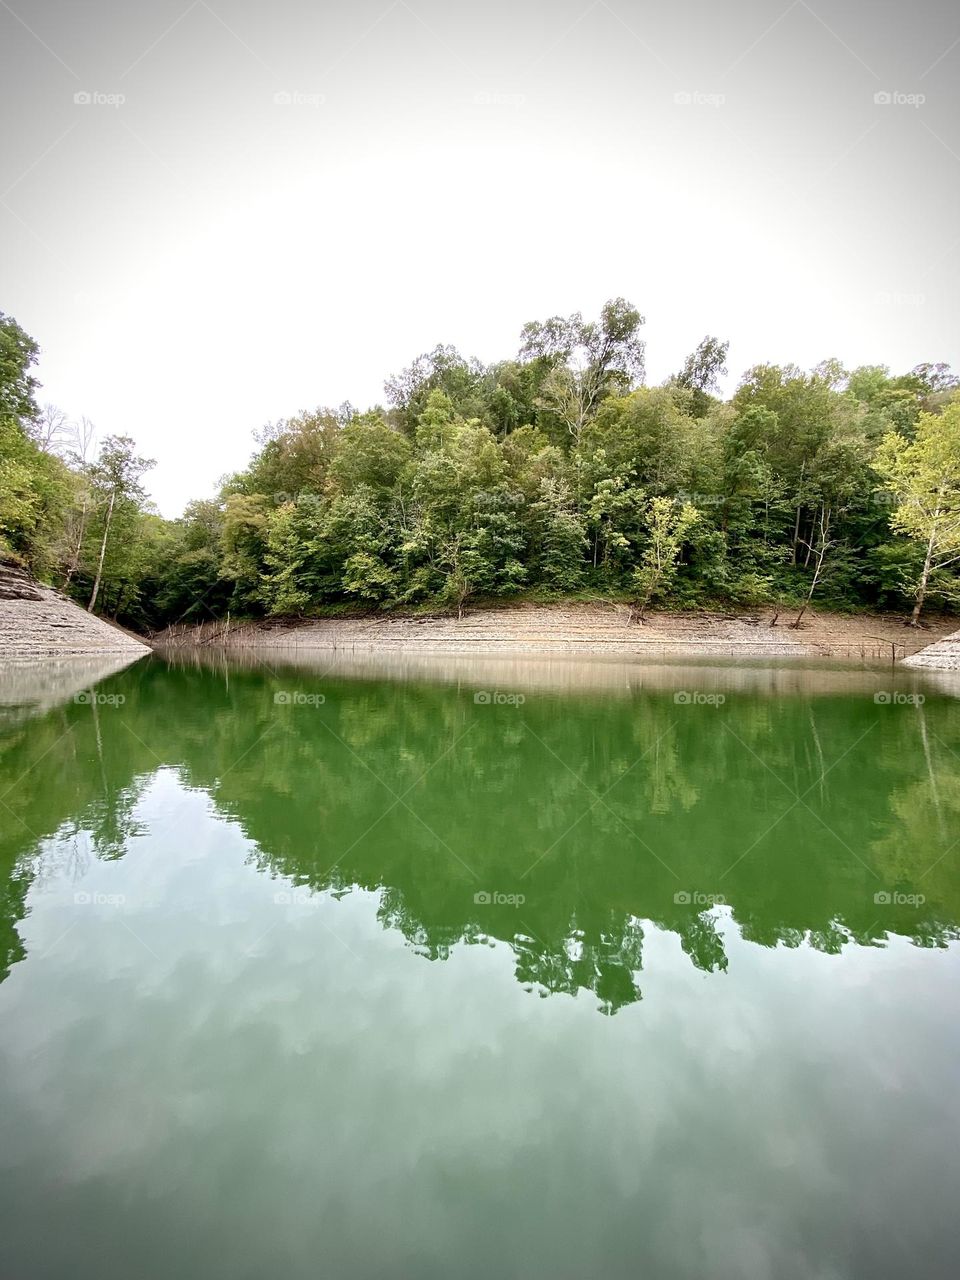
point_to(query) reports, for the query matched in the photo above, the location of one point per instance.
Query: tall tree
(668, 524)
(586, 360)
(442, 369)
(18, 386)
(116, 477)
(924, 476)
(701, 373)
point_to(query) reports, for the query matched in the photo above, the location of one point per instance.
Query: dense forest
(555, 473)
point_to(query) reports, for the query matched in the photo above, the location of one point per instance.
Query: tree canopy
(552, 472)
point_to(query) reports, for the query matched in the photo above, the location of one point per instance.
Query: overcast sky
(266, 207)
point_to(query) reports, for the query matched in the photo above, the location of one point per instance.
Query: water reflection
(559, 824)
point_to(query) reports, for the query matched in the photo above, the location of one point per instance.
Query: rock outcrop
(942, 655)
(38, 622)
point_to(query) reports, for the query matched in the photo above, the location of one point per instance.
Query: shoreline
(582, 629)
(38, 623)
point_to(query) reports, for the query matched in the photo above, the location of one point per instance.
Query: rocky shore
(600, 628)
(38, 622)
(942, 655)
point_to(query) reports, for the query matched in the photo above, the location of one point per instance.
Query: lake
(452, 967)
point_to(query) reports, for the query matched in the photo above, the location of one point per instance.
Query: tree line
(555, 473)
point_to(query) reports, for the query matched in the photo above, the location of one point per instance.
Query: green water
(608, 971)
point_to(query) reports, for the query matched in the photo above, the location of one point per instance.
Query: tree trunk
(103, 552)
(822, 549)
(75, 562)
(806, 562)
(795, 625)
(796, 526)
(925, 576)
(641, 609)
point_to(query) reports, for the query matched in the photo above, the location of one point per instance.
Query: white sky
(201, 260)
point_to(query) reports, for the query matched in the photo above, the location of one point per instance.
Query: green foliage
(559, 536)
(701, 373)
(371, 453)
(551, 473)
(582, 362)
(18, 386)
(35, 493)
(35, 487)
(923, 475)
(110, 550)
(283, 558)
(667, 526)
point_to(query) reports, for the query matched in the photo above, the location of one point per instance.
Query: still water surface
(466, 969)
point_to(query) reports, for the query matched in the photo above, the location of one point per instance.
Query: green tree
(924, 476)
(701, 373)
(18, 386)
(295, 456)
(119, 496)
(369, 452)
(585, 360)
(668, 524)
(36, 488)
(243, 546)
(560, 536)
(283, 558)
(441, 370)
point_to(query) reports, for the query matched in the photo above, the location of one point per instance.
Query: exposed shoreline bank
(38, 622)
(601, 628)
